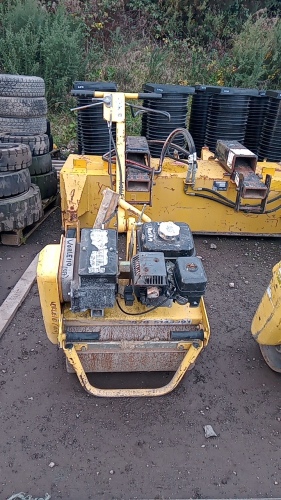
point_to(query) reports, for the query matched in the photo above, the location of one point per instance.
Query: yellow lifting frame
(191, 354)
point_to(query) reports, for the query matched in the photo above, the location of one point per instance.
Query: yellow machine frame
(83, 179)
(125, 343)
(138, 341)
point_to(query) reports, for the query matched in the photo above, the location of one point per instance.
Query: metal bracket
(186, 345)
(81, 347)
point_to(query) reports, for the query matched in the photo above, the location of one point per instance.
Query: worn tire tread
(38, 144)
(14, 183)
(14, 157)
(47, 183)
(25, 107)
(22, 126)
(41, 164)
(21, 211)
(21, 86)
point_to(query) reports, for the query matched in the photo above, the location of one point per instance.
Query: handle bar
(191, 353)
(128, 95)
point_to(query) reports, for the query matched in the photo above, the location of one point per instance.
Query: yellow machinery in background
(266, 324)
(227, 192)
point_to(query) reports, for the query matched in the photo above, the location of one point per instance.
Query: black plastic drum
(228, 115)
(92, 129)
(270, 140)
(157, 127)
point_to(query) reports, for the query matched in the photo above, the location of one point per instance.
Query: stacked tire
(20, 201)
(26, 173)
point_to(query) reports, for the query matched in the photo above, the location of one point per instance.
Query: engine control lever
(107, 100)
(142, 109)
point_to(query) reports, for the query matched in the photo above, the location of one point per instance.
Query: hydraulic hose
(168, 142)
(245, 208)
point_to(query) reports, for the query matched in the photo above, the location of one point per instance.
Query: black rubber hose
(241, 208)
(219, 195)
(178, 131)
(229, 201)
(143, 312)
(212, 199)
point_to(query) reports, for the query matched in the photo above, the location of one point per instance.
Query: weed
(134, 42)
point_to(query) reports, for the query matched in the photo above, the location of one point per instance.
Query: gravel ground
(144, 448)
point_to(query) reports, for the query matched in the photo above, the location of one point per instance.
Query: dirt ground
(151, 448)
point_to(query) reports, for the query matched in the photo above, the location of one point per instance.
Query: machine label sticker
(220, 186)
(54, 318)
(243, 152)
(150, 233)
(230, 159)
(68, 258)
(269, 292)
(99, 257)
(67, 267)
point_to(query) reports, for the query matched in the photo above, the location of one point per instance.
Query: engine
(149, 278)
(164, 269)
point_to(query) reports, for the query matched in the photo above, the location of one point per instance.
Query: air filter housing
(150, 240)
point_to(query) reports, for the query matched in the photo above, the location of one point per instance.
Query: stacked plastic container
(155, 126)
(270, 139)
(92, 129)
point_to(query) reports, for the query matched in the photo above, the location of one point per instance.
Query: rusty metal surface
(253, 187)
(128, 356)
(137, 144)
(129, 361)
(138, 181)
(232, 154)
